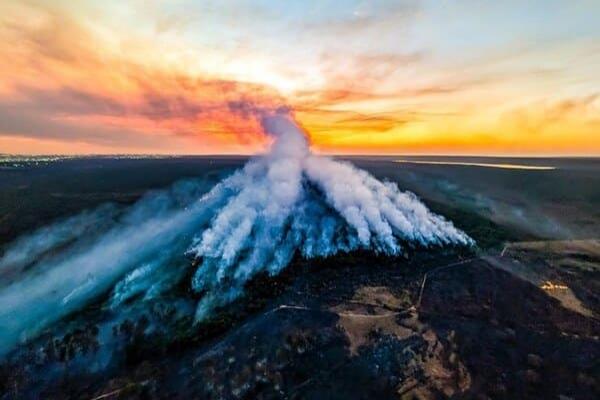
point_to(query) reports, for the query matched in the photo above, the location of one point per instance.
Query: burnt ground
(514, 321)
(360, 327)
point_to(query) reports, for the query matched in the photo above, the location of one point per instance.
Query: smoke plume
(291, 200)
(256, 220)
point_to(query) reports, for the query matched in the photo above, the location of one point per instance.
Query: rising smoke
(284, 202)
(291, 200)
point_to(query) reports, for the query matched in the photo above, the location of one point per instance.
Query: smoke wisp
(284, 202)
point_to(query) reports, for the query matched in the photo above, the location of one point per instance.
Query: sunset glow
(393, 77)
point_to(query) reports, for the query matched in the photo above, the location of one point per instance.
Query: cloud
(548, 116)
(66, 101)
(183, 72)
(378, 17)
(68, 82)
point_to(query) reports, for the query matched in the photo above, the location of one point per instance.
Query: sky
(468, 77)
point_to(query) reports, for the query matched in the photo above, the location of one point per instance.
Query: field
(516, 316)
(553, 204)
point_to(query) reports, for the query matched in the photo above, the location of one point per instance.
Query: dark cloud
(249, 109)
(28, 123)
(156, 107)
(67, 101)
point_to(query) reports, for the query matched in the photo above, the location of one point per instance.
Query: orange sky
(132, 77)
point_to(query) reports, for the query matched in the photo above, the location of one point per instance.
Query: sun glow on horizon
(188, 78)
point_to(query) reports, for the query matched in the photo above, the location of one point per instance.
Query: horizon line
(216, 155)
(171, 155)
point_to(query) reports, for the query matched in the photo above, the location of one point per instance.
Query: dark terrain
(514, 317)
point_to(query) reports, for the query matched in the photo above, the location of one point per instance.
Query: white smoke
(30, 248)
(157, 228)
(291, 200)
(284, 202)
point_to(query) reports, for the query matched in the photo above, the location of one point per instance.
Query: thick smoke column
(284, 202)
(292, 200)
